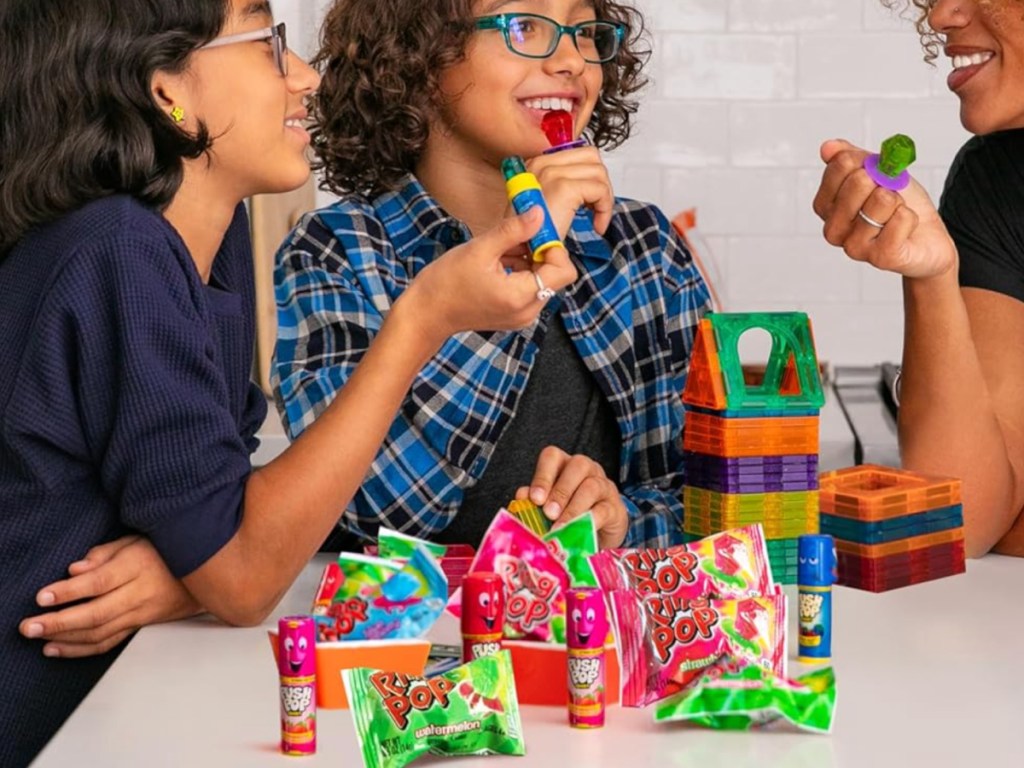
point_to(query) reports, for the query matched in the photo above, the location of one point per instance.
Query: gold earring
(178, 115)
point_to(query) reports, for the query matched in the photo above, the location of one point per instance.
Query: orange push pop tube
(524, 193)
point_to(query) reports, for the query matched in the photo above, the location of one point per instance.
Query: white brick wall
(743, 93)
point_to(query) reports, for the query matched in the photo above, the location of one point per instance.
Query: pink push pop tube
(296, 665)
(483, 615)
(586, 630)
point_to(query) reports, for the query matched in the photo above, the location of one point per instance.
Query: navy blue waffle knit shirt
(126, 405)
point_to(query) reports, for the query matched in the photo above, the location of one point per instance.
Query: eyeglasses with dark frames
(537, 37)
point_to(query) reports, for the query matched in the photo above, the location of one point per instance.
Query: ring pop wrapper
(736, 695)
(816, 572)
(586, 631)
(296, 666)
(665, 642)
(731, 564)
(483, 614)
(471, 710)
(535, 580)
(377, 599)
(573, 543)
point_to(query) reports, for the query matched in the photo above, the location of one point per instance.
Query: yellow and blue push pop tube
(816, 573)
(524, 193)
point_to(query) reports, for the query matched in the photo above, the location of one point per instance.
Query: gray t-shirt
(563, 406)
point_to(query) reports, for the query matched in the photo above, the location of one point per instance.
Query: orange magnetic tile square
(874, 492)
(773, 436)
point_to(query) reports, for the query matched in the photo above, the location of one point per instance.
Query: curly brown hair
(381, 63)
(931, 41)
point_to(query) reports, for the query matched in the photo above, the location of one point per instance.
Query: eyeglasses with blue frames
(276, 35)
(537, 37)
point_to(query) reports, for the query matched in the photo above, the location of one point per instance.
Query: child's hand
(470, 287)
(125, 584)
(912, 240)
(572, 179)
(566, 486)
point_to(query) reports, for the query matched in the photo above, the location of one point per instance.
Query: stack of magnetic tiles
(750, 442)
(892, 527)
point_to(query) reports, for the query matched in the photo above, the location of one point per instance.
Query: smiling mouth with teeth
(975, 59)
(549, 104)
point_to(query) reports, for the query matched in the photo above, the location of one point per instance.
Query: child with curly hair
(420, 104)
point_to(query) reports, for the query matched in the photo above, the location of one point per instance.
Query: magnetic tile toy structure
(892, 527)
(750, 444)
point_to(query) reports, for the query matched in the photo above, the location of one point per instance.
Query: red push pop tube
(587, 629)
(483, 614)
(296, 666)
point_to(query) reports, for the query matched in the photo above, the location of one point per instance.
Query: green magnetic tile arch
(792, 349)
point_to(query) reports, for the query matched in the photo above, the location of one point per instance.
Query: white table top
(928, 675)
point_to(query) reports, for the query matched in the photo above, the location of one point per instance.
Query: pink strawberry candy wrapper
(666, 641)
(731, 564)
(535, 580)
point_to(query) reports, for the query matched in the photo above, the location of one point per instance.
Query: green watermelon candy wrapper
(471, 710)
(394, 545)
(574, 543)
(736, 695)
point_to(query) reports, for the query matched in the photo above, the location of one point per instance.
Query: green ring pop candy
(889, 167)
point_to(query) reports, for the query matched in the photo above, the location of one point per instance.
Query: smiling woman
(962, 389)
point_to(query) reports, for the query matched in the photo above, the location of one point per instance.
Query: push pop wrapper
(666, 642)
(733, 694)
(535, 580)
(731, 564)
(471, 710)
(368, 598)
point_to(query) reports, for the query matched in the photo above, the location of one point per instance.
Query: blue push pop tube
(524, 193)
(816, 572)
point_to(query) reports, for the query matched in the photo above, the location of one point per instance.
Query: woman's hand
(911, 241)
(125, 585)
(566, 486)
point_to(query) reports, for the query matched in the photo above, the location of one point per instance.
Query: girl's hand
(566, 486)
(572, 179)
(911, 241)
(470, 289)
(125, 585)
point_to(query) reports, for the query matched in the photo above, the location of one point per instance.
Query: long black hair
(77, 118)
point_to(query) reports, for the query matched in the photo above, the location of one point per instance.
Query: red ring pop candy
(558, 127)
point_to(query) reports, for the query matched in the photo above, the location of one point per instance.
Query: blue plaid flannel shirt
(632, 315)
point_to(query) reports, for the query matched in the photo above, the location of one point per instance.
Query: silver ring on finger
(868, 220)
(543, 292)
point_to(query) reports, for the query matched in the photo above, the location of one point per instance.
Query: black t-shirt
(983, 208)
